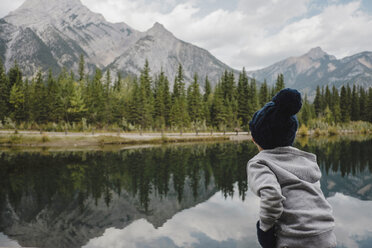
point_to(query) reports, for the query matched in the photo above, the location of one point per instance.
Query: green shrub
(303, 131)
(15, 139)
(45, 139)
(332, 131)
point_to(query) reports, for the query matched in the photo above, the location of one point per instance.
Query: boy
(293, 210)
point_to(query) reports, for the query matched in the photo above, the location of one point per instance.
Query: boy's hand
(266, 239)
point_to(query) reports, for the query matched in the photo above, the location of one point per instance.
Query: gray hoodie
(287, 181)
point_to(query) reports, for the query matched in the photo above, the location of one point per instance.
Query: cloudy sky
(248, 33)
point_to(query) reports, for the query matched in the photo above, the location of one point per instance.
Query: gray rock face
(52, 34)
(165, 52)
(319, 68)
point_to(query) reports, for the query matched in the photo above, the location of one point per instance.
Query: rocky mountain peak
(49, 4)
(316, 53)
(41, 12)
(158, 29)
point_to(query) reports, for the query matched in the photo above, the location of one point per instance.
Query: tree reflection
(143, 172)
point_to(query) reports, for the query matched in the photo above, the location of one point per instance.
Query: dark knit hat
(276, 123)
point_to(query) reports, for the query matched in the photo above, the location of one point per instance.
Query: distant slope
(319, 68)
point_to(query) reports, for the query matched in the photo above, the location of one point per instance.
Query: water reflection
(180, 196)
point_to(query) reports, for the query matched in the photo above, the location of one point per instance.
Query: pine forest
(145, 103)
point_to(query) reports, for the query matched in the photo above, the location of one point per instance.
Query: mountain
(319, 68)
(165, 52)
(53, 34)
(67, 222)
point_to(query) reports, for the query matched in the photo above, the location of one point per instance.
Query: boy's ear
(258, 146)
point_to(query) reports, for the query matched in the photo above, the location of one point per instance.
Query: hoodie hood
(289, 162)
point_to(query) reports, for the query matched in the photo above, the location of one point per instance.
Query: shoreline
(84, 139)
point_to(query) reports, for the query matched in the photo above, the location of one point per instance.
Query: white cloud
(7, 6)
(210, 219)
(205, 222)
(256, 33)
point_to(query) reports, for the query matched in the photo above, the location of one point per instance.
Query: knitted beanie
(276, 123)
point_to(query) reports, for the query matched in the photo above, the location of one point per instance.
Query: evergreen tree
(77, 106)
(117, 84)
(95, 98)
(244, 103)
(327, 98)
(39, 105)
(363, 102)
(305, 114)
(207, 89)
(162, 100)
(219, 109)
(279, 85)
(318, 102)
(54, 105)
(369, 105)
(146, 97)
(195, 104)
(64, 94)
(81, 68)
(355, 108)
(17, 100)
(179, 117)
(134, 104)
(264, 94)
(207, 101)
(335, 108)
(4, 92)
(345, 115)
(254, 97)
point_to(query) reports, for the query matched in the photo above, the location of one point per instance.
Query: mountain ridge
(63, 30)
(316, 67)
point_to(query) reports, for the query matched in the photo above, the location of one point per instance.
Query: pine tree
(219, 109)
(146, 97)
(77, 106)
(95, 98)
(369, 105)
(264, 94)
(17, 100)
(39, 105)
(335, 108)
(195, 101)
(363, 102)
(54, 105)
(327, 98)
(318, 102)
(207, 89)
(4, 93)
(254, 96)
(305, 114)
(244, 103)
(355, 108)
(162, 100)
(279, 85)
(345, 115)
(117, 84)
(179, 117)
(81, 68)
(207, 101)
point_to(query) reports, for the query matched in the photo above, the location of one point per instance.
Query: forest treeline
(82, 102)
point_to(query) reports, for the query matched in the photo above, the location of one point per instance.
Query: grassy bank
(319, 128)
(18, 138)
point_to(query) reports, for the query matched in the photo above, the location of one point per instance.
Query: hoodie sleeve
(263, 182)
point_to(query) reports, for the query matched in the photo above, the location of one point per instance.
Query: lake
(190, 195)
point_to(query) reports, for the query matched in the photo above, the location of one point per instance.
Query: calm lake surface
(171, 196)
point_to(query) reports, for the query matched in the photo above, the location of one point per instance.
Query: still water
(166, 197)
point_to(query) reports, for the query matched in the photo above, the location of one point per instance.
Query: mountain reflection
(64, 199)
